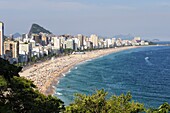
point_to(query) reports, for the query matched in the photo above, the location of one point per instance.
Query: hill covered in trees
(36, 29)
(18, 95)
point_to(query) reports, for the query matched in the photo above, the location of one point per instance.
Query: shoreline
(46, 75)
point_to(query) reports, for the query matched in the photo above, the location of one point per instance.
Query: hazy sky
(145, 18)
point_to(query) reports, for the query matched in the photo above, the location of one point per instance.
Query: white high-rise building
(81, 38)
(57, 42)
(137, 38)
(108, 42)
(77, 43)
(1, 39)
(94, 40)
(113, 41)
(70, 44)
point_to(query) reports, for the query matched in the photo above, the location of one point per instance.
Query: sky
(149, 19)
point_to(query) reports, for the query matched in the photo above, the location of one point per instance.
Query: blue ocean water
(145, 72)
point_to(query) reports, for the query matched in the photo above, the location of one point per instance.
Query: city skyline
(147, 19)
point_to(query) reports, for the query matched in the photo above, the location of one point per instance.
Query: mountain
(155, 40)
(124, 37)
(16, 35)
(5, 37)
(36, 29)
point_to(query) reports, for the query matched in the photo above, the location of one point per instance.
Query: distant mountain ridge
(16, 35)
(124, 37)
(36, 29)
(155, 40)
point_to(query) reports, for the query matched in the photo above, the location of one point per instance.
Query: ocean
(145, 72)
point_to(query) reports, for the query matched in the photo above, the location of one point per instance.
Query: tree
(97, 103)
(7, 70)
(123, 104)
(67, 51)
(18, 95)
(34, 59)
(164, 108)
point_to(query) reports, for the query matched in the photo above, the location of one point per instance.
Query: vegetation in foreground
(97, 103)
(18, 95)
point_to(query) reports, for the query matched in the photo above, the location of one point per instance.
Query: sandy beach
(47, 73)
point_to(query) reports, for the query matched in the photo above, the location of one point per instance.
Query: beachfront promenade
(43, 74)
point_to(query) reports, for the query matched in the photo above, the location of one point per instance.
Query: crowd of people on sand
(44, 73)
(40, 74)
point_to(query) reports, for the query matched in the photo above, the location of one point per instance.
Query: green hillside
(36, 29)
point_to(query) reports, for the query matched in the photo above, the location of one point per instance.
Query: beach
(45, 74)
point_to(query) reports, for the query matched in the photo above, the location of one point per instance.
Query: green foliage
(7, 70)
(97, 103)
(36, 29)
(23, 98)
(2, 82)
(34, 59)
(18, 95)
(123, 104)
(67, 51)
(164, 108)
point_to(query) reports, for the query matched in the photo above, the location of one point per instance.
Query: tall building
(101, 43)
(113, 42)
(108, 43)
(44, 40)
(70, 44)
(81, 38)
(37, 38)
(25, 49)
(119, 42)
(76, 43)
(1, 39)
(89, 44)
(137, 38)
(94, 40)
(11, 49)
(63, 39)
(24, 37)
(57, 43)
